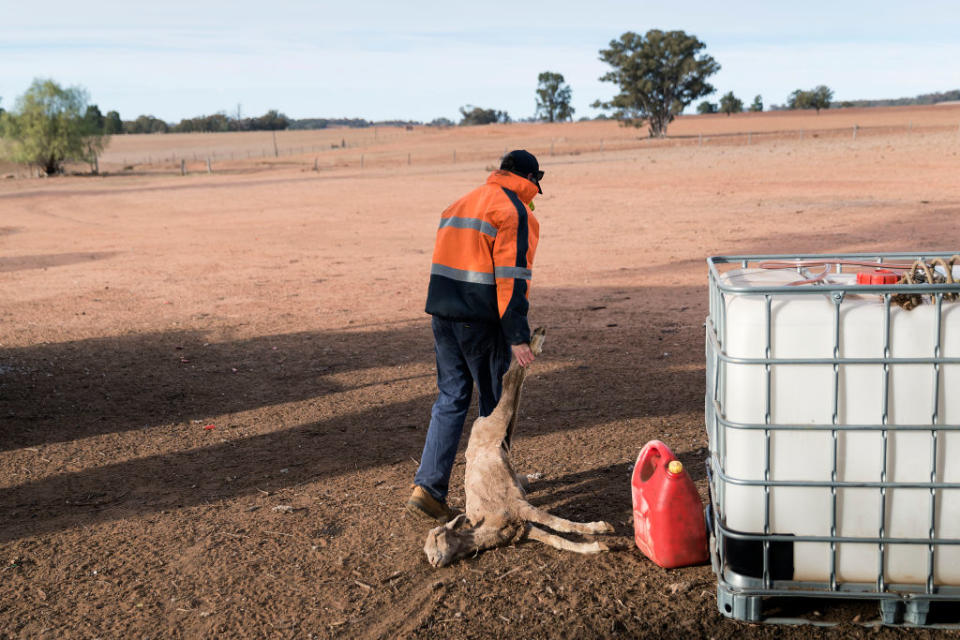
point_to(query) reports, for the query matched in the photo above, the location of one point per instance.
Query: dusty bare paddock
(181, 356)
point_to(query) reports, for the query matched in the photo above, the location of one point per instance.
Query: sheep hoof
(601, 527)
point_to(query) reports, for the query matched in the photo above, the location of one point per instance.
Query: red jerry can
(668, 521)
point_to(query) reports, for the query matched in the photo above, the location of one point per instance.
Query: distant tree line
(729, 103)
(359, 123)
(218, 122)
(925, 98)
(323, 123)
(820, 97)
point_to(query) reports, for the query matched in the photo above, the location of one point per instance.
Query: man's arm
(513, 251)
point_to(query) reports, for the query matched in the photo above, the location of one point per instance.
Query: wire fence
(386, 151)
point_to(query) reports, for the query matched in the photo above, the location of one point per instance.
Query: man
(477, 296)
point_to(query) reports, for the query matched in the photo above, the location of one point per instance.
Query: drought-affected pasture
(214, 387)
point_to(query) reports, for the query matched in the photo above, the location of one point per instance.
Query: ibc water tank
(847, 409)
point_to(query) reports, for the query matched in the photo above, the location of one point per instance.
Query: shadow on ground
(44, 261)
(615, 338)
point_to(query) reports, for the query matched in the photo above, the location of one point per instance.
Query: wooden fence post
(699, 139)
(183, 167)
(316, 166)
(209, 166)
(408, 158)
(361, 161)
(854, 132)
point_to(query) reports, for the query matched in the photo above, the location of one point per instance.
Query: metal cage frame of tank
(741, 596)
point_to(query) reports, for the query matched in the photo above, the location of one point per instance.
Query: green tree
(820, 97)
(817, 98)
(146, 124)
(707, 107)
(553, 98)
(47, 127)
(799, 99)
(112, 123)
(659, 74)
(757, 103)
(471, 115)
(270, 121)
(93, 136)
(730, 103)
(93, 120)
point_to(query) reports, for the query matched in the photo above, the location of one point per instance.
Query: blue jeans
(468, 353)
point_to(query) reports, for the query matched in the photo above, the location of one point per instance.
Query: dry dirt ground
(180, 356)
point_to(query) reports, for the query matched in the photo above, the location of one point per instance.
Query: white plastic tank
(803, 326)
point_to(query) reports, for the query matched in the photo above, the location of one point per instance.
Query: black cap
(523, 163)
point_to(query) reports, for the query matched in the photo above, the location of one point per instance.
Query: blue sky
(423, 60)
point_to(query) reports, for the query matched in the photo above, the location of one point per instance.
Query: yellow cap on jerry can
(675, 467)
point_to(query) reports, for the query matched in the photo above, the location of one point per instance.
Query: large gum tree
(659, 74)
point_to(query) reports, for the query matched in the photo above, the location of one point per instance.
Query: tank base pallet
(906, 611)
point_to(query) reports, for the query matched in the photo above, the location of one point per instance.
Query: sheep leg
(512, 384)
(505, 413)
(563, 544)
(532, 514)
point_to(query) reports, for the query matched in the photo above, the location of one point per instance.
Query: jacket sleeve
(513, 251)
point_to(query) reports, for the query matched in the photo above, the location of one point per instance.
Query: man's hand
(523, 354)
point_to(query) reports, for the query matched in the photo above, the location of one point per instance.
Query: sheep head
(448, 542)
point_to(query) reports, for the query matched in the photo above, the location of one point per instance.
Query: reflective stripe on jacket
(483, 257)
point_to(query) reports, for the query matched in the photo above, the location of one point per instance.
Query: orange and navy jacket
(483, 258)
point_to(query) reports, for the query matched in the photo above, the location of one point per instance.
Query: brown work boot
(424, 505)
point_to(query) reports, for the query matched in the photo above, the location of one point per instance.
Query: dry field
(179, 356)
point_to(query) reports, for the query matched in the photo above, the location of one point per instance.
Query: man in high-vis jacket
(477, 296)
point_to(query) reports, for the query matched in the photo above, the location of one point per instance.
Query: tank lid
(675, 467)
(877, 276)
